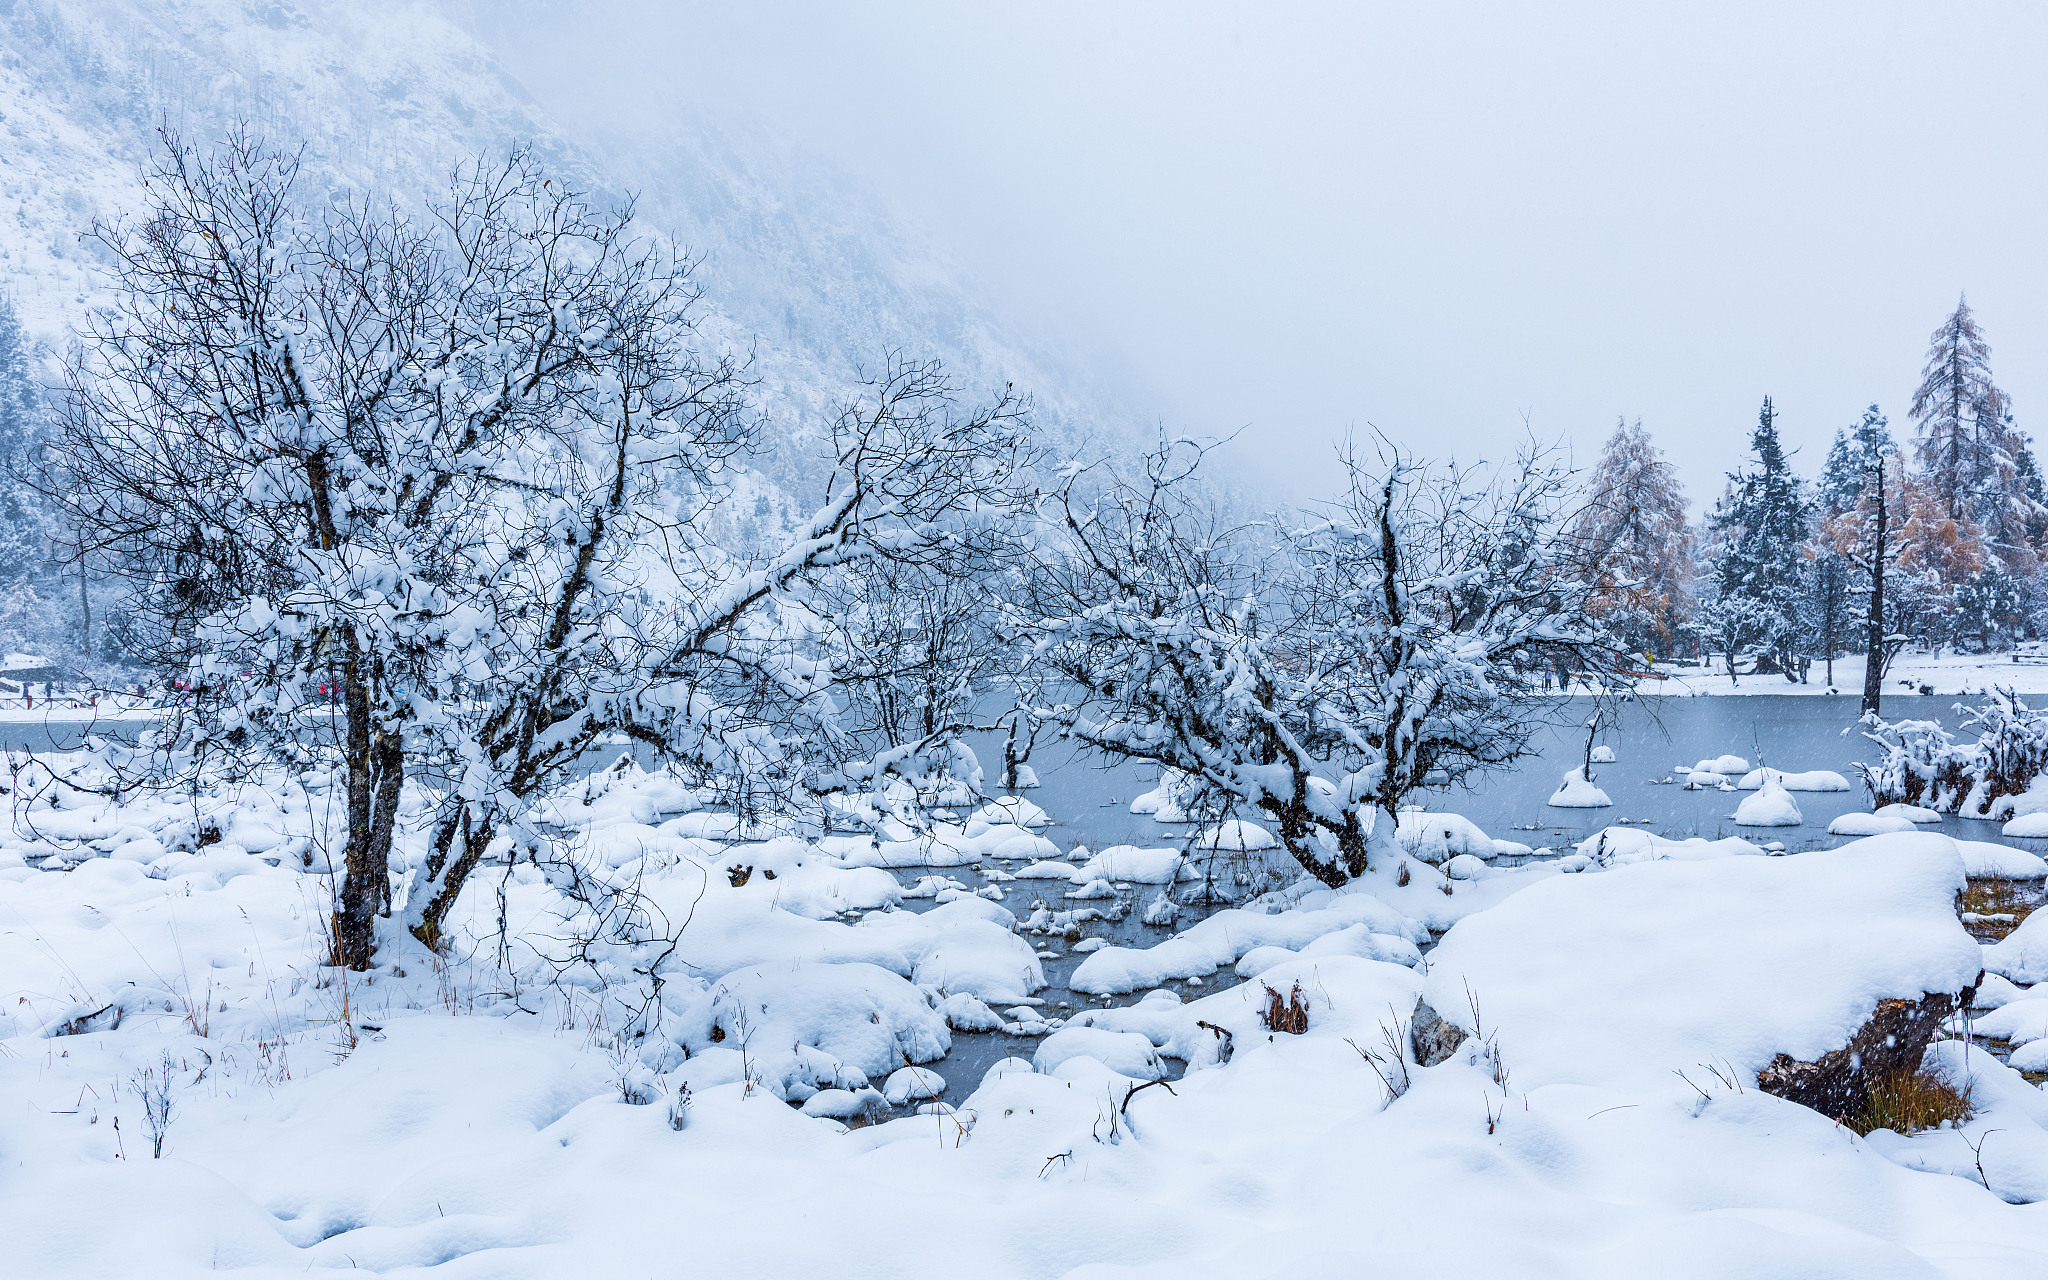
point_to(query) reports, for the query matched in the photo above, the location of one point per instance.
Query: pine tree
(1850, 460)
(1968, 444)
(1633, 528)
(1761, 531)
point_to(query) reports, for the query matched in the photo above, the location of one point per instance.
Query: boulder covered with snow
(1578, 792)
(1124, 1052)
(1623, 846)
(1734, 766)
(1437, 837)
(861, 1017)
(1132, 865)
(1237, 836)
(1811, 780)
(1768, 806)
(1013, 810)
(1910, 812)
(1869, 824)
(2022, 955)
(1619, 979)
(1981, 858)
(1225, 937)
(1603, 755)
(2031, 826)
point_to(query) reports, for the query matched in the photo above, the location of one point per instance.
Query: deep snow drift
(477, 1115)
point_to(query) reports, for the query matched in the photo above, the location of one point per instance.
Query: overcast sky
(1439, 219)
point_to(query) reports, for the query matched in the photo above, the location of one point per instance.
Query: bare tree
(327, 445)
(1317, 672)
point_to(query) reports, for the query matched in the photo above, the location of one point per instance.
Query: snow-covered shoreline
(473, 1110)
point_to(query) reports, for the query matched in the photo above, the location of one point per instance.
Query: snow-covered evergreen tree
(1969, 446)
(1851, 461)
(1760, 529)
(1633, 529)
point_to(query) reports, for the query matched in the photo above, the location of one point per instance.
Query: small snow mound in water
(1134, 865)
(1238, 836)
(1162, 911)
(1578, 792)
(1433, 837)
(1026, 778)
(843, 1104)
(1811, 780)
(1982, 858)
(965, 1012)
(1603, 755)
(2033, 825)
(1722, 764)
(913, 1083)
(1124, 1052)
(1008, 1067)
(1911, 812)
(1769, 806)
(1010, 809)
(1870, 824)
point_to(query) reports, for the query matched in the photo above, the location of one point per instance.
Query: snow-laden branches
(442, 482)
(1316, 671)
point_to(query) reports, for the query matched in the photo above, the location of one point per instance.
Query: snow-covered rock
(1603, 754)
(1133, 865)
(1768, 806)
(1622, 846)
(1012, 810)
(1435, 837)
(1578, 792)
(1910, 812)
(1811, 780)
(913, 1084)
(2032, 826)
(1237, 836)
(1225, 937)
(2022, 955)
(1732, 766)
(1982, 858)
(1124, 1052)
(860, 1015)
(1869, 824)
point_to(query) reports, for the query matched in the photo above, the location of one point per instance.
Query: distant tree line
(1938, 541)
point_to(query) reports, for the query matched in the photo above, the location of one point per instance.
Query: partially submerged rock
(1895, 1038)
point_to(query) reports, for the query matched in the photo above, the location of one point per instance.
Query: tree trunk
(1873, 642)
(376, 773)
(445, 879)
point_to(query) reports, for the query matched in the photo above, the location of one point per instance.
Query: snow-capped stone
(913, 1083)
(1578, 792)
(1237, 836)
(1811, 780)
(1768, 806)
(1124, 1052)
(1434, 837)
(1733, 766)
(1869, 824)
(1603, 754)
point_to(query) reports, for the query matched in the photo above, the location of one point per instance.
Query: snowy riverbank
(482, 1115)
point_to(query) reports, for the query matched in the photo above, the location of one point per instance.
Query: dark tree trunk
(376, 773)
(1873, 643)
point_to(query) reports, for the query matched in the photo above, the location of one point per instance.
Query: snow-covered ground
(477, 1115)
(1948, 674)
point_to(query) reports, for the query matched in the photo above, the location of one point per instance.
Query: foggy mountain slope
(801, 266)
